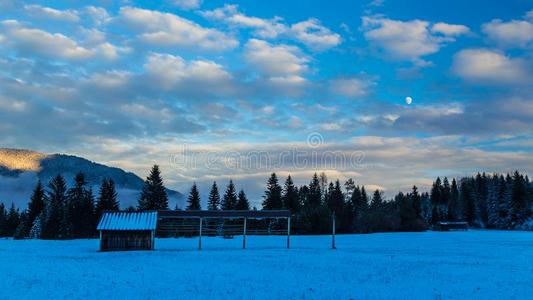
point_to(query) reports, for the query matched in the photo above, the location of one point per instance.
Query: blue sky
(198, 86)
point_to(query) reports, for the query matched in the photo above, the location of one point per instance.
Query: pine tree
(74, 208)
(22, 230)
(315, 193)
(88, 217)
(290, 196)
(467, 196)
(153, 195)
(272, 197)
(3, 219)
(336, 198)
(377, 200)
(416, 202)
(12, 221)
(364, 196)
(518, 205)
(230, 197)
(242, 202)
(35, 230)
(53, 214)
(36, 205)
(107, 198)
(454, 210)
(213, 202)
(194, 198)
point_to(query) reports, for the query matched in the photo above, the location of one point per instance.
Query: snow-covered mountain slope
(20, 170)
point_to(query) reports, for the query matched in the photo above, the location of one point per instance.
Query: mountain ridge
(18, 167)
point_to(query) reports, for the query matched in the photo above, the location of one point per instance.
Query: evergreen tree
(12, 221)
(454, 210)
(3, 219)
(242, 202)
(481, 192)
(377, 200)
(416, 202)
(88, 217)
(153, 195)
(53, 215)
(349, 186)
(194, 198)
(22, 230)
(74, 208)
(436, 201)
(35, 230)
(467, 196)
(107, 198)
(272, 198)
(213, 202)
(290, 196)
(364, 196)
(230, 197)
(518, 209)
(336, 198)
(315, 194)
(36, 205)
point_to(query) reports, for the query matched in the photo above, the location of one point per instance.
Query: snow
(428, 265)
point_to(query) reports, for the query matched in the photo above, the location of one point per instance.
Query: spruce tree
(230, 197)
(213, 202)
(12, 221)
(290, 196)
(416, 202)
(74, 209)
(53, 214)
(242, 202)
(518, 209)
(107, 198)
(336, 198)
(194, 198)
(3, 219)
(377, 200)
(315, 193)
(272, 198)
(153, 195)
(454, 210)
(36, 205)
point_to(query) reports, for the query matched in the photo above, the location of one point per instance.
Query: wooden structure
(165, 217)
(120, 230)
(448, 226)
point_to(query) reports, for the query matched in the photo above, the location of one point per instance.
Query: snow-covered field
(430, 265)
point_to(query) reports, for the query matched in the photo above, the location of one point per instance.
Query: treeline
(484, 201)
(58, 212)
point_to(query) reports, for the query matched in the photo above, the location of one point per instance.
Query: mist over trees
(496, 201)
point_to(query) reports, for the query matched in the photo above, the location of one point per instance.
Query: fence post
(244, 235)
(200, 235)
(333, 233)
(288, 232)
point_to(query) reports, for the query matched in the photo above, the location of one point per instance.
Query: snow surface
(428, 265)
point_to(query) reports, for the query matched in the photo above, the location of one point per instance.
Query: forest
(496, 201)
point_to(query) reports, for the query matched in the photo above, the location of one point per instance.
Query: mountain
(20, 170)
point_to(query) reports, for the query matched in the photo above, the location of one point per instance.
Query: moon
(408, 100)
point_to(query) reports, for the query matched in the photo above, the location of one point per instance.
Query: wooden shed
(122, 230)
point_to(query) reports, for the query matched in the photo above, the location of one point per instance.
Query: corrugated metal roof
(127, 220)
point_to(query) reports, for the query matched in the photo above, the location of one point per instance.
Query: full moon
(408, 100)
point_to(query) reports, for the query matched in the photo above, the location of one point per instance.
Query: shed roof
(127, 220)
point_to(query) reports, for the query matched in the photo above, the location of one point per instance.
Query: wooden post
(288, 232)
(101, 241)
(200, 235)
(244, 235)
(333, 233)
(152, 238)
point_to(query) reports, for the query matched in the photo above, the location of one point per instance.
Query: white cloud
(170, 71)
(408, 40)
(166, 29)
(99, 15)
(264, 28)
(449, 29)
(512, 34)
(110, 51)
(350, 87)
(311, 32)
(490, 67)
(43, 43)
(38, 11)
(314, 35)
(275, 60)
(187, 4)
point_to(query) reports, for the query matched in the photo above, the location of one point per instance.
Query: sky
(214, 90)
